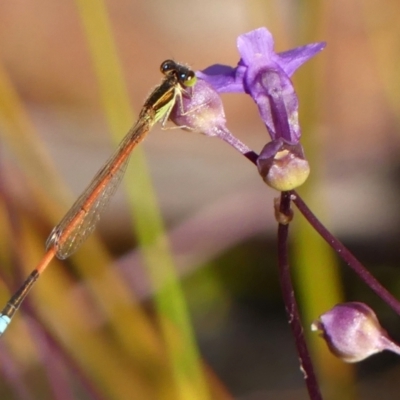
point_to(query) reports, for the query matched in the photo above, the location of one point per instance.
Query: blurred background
(200, 315)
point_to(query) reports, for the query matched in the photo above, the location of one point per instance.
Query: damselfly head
(168, 67)
(184, 75)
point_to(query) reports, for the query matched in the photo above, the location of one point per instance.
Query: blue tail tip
(4, 322)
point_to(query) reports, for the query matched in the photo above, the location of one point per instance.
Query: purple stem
(284, 272)
(89, 386)
(338, 246)
(346, 255)
(285, 278)
(227, 136)
(291, 304)
(52, 363)
(12, 373)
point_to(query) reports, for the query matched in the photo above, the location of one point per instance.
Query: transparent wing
(83, 216)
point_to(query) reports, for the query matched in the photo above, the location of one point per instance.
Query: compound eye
(187, 78)
(168, 67)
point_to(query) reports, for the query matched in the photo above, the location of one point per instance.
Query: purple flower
(265, 76)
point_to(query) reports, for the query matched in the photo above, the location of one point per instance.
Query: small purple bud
(283, 166)
(353, 333)
(201, 110)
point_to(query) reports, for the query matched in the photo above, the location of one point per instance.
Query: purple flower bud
(201, 110)
(283, 166)
(353, 333)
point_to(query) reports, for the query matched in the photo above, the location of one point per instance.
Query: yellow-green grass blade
(170, 303)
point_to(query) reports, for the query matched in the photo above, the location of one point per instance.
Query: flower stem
(291, 304)
(339, 248)
(346, 255)
(227, 136)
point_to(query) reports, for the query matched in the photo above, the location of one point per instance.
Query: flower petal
(290, 60)
(223, 78)
(256, 46)
(277, 103)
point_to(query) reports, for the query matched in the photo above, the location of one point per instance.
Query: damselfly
(80, 221)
